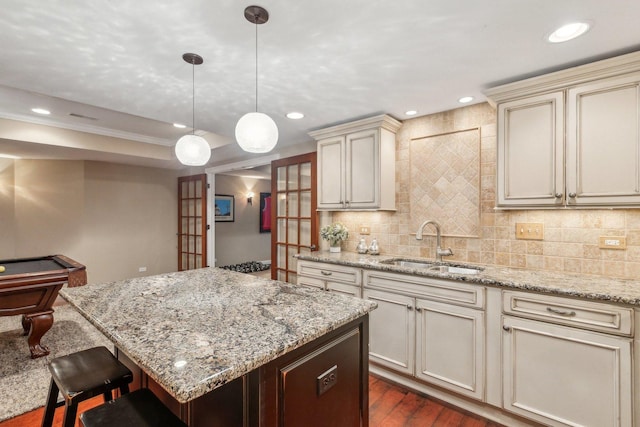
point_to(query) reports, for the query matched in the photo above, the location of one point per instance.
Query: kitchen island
(225, 348)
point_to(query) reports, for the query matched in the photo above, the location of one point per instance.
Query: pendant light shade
(256, 132)
(193, 150)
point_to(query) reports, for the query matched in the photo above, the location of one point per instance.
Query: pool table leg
(36, 325)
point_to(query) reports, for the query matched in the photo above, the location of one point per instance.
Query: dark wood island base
(322, 383)
(29, 286)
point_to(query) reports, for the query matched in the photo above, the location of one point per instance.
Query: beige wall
(571, 236)
(241, 240)
(112, 218)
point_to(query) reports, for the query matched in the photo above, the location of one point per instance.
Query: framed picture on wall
(265, 212)
(224, 208)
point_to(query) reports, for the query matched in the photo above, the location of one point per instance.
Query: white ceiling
(119, 62)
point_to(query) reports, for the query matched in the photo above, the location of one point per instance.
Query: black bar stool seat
(140, 408)
(81, 376)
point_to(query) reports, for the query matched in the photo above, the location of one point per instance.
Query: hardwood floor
(389, 406)
(393, 406)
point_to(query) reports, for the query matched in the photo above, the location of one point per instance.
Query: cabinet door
(392, 330)
(450, 347)
(564, 376)
(363, 169)
(331, 173)
(530, 162)
(603, 142)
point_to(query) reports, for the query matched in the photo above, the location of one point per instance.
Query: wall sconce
(250, 197)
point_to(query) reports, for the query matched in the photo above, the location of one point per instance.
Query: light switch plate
(530, 230)
(613, 242)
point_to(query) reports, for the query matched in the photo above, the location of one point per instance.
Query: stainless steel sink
(408, 264)
(431, 266)
(452, 269)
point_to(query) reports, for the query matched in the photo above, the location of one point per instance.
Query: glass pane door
(192, 222)
(293, 182)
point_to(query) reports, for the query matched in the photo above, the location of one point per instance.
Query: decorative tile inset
(445, 182)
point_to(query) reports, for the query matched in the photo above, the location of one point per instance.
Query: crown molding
(383, 121)
(563, 79)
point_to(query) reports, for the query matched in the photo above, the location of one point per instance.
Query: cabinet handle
(506, 328)
(561, 312)
(558, 195)
(325, 273)
(572, 195)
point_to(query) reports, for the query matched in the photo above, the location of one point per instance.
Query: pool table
(29, 286)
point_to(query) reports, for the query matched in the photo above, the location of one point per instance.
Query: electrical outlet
(142, 269)
(365, 230)
(530, 230)
(613, 242)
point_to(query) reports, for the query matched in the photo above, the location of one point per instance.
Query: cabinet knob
(506, 328)
(558, 195)
(409, 307)
(572, 195)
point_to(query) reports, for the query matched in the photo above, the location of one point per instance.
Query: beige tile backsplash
(570, 236)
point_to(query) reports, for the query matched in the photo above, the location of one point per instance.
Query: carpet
(24, 382)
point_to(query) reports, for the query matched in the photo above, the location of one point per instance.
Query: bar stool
(81, 376)
(140, 408)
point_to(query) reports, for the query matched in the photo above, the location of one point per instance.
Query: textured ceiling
(118, 62)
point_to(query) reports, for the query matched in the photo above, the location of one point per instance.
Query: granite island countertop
(572, 285)
(196, 330)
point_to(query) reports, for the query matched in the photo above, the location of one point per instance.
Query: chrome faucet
(439, 251)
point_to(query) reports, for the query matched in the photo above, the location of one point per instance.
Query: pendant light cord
(257, 63)
(193, 97)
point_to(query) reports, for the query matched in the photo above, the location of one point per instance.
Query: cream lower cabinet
(392, 330)
(564, 376)
(330, 277)
(431, 329)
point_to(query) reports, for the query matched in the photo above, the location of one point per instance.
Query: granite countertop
(196, 330)
(572, 285)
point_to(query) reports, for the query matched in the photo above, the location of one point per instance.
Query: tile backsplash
(571, 237)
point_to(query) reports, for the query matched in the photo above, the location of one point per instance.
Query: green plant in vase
(335, 234)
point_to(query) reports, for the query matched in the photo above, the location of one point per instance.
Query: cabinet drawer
(433, 289)
(332, 272)
(582, 314)
(310, 282)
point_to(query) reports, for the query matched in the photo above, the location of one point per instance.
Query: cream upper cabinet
(571, 138)
(530, 163)
(603, 142)
(356, 165)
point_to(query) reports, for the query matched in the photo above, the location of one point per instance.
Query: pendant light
(256, 132)
(193, 150)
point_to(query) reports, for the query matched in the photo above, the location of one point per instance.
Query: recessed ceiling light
(295, 115)
(411, 112)
(568, 32)
(179, 126)
(40, 111)
(465, 99)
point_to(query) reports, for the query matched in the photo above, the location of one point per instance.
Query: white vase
(334, 249)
